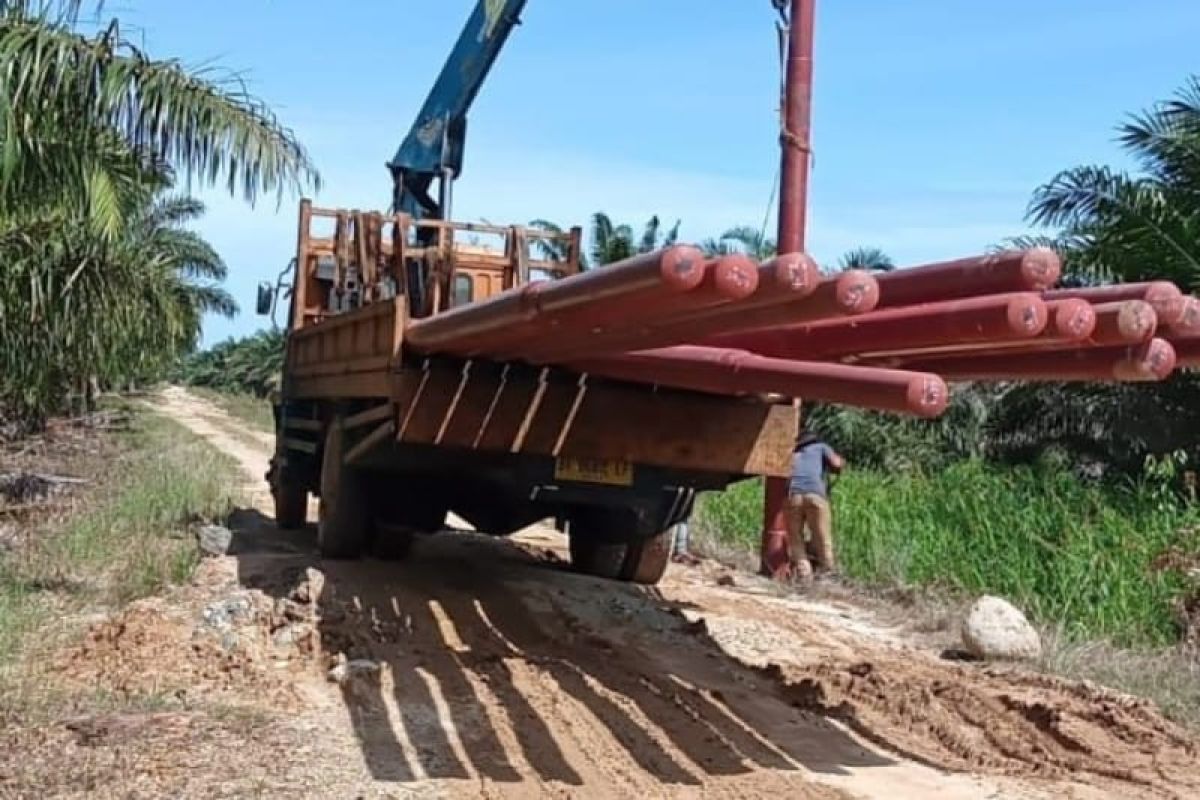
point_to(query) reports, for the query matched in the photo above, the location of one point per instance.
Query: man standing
(808, 507)
(680, 554)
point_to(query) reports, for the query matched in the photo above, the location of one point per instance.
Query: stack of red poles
(888, 341)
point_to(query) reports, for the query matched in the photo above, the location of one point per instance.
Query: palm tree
(871, 259)
(251, 365)
(554, 249)
(1114, 225)
(741, 239)
(611, 243)
(99, 276)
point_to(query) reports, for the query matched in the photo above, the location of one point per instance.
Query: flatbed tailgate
(592, 422)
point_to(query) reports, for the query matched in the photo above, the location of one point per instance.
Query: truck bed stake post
(795, 136)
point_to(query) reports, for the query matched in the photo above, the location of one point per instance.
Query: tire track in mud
(498, 674)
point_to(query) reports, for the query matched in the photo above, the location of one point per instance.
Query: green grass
(125, 538)
(255, 411)
(1076, 556)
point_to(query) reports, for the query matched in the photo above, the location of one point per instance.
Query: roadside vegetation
(103, 285)
(1075, 501)
(122, 532)
(1094, 562)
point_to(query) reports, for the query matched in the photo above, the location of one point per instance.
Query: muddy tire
(291, 500)
(391, 542)
(344, 521)
(602, 544)
(646, 561)
(598, 558)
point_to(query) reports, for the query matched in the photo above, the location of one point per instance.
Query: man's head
(806, 437)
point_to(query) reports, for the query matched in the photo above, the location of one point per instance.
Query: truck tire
(602, 545)
(391, 542)
(344, 521)
(291, 499)
(597, 558)
(646, 561)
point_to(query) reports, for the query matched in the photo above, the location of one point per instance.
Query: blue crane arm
(434, 145)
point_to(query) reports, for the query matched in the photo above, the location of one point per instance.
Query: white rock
(358, 669)
(996, 629)
(223, 615)
(214, 540)
(309, 590)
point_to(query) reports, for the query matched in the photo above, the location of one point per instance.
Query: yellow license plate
(592, 470)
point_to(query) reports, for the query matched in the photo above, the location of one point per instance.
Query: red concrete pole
(995, 318)
(1164, 296)
(1124, 322)
(1188, 323)
(1187, 351)
(727, 279)
(795, 141)
(1013, 271)
(1118, 324)
(461, 330)
(1071, 321)
(1151, 361)
(725, 371)
(850, 292)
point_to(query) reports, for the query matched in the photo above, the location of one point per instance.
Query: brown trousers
(810, 532)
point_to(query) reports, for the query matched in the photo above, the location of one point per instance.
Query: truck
(391, 440)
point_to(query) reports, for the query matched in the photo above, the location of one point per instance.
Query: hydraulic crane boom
(434, 145)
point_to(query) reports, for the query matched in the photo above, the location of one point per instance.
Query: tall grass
(251, 409)
(1076, 555)
(126, 538)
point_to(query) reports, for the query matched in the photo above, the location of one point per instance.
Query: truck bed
(516, 409)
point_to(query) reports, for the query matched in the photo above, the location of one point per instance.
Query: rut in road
(484, 667)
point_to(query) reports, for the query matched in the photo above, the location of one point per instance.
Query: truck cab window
(464, 289)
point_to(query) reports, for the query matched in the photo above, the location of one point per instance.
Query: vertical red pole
(793, 216)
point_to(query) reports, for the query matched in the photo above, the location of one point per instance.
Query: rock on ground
(214, 540)
(995, 629)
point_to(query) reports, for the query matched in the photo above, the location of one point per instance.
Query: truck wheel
(598, 558)
(344, 519)
(291, 499)
(646, 561)
(600, 544)
(391, 542)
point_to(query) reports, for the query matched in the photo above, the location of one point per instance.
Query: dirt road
(484, 668)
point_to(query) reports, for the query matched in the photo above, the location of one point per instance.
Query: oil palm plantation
(252, 365)
(100, 277)
(741, 239)
(871, 259)
(1134, 226)
(1113, 225)
(611, 242)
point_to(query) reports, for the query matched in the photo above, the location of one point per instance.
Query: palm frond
(871, 259)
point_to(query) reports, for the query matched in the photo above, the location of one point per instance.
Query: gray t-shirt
(808, 468)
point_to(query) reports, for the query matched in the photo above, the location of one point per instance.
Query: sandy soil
(485, 668)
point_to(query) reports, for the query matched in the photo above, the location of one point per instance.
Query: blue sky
(933, 120)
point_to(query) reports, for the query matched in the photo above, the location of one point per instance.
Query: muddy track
(484, 668)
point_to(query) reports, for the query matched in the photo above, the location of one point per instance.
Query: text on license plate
(591, 470)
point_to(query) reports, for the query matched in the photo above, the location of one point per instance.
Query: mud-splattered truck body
(391, 440)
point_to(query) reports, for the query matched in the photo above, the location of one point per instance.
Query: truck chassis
(391, 440)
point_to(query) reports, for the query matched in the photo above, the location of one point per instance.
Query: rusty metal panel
(362, 342)
(359, 385)
(508, 409)
(526, 414)
(422, 418)
(683, 431)
(467, 420)
(553, 417)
